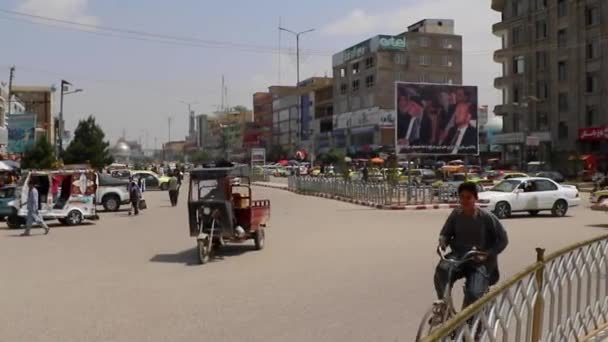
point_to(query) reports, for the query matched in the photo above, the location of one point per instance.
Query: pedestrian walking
(174, 188)
(33, 216)
(135, 195)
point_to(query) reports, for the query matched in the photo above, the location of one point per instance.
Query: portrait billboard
(21, 132)
(436, 119)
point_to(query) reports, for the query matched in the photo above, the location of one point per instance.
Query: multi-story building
(323, 119)
(225, 133)
(552, 78)
(38, 100)
(293, 114)
(262, 116)
(16, 107)
(202, 131)
(365, 75)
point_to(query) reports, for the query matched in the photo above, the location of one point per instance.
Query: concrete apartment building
(365, 75)
(262, 117)
(553, 84)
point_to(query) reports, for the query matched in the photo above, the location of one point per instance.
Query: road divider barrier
(382, 195)
(561, 297)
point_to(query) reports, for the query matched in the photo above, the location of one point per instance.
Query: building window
(447, 44)
(562, 70)
(592, 82)
(593, 48)
(343, 88)
(542, 90)
(355, 85)
(562, 38)
(425, 60)
(355, 68)
(542, 122)
(592, 15)
(518, 65)
(515, 122)
(590, 115)
(517, 35)
(369, 62)
(400, 58)
(516, 95)
(517, 7)
(397, 75)
(541, 4)
(369, 81)
(541, 60)
(541, 29)
(342, 72)
(425, 41)
(423, 78)
(562, 102)
(562, 130)
(446, 61)
(562, 8)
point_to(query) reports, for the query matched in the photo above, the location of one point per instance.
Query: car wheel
(260, 239)
(111, 202)
(164, 187)
(74, 218)
(533, 212)
(503, 210)
(14, 222)
(560, 208)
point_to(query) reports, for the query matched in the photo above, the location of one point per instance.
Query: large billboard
(436, 119)
(21, 132)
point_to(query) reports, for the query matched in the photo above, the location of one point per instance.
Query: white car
(531, 194)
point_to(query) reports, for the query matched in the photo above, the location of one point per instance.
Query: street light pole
(297, 34)
(64, 85)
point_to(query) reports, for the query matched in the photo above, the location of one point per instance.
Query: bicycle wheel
(438, 314)
(426, 326)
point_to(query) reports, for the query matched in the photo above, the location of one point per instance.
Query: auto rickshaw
(223, 211)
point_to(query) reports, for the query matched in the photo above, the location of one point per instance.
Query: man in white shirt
(462, 138)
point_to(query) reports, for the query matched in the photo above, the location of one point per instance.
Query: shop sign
(532, 141)
(365, 117)
(509, 138)
(593, 133)
(392, 43)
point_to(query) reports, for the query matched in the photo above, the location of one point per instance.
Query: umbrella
(11, 163)
(283, 162)
(377, 161)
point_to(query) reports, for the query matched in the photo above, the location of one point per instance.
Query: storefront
(519, 149)
(593, 140)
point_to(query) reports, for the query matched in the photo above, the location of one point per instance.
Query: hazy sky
(136, 84)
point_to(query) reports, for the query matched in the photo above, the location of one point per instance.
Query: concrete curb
(363, 203)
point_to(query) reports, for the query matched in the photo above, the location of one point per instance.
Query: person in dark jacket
(466, 228)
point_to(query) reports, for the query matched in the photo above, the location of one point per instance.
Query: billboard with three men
(436, 119)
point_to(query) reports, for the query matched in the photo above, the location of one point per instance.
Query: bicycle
(443, 310)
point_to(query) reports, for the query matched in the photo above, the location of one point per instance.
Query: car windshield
(506, 186)
(7, 193)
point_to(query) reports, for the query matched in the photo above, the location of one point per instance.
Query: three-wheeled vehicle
(64, 195)
(221, 210)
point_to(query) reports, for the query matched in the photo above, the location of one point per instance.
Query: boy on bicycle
(468, 228)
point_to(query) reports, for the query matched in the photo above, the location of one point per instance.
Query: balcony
(502, 55)
(503, 109)
(502, 82)
(501, 28)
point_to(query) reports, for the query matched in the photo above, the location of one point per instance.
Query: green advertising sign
(391, 43)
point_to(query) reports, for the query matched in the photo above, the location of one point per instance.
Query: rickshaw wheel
(260, 239)
(14, 222)
(203, 251)
(74, 218)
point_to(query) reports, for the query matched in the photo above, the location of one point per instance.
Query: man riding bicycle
(471, 228)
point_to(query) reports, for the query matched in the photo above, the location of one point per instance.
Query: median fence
(380, 194)
(561, 297)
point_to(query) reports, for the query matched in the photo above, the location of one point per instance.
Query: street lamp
(297, 34)
(64, 88)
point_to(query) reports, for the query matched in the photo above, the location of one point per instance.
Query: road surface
(331, 271)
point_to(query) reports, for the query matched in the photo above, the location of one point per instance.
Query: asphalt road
(331, 271)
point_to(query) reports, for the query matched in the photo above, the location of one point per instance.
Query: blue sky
(135, 85)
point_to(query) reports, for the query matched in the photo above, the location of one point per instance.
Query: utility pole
(297, 34)
(10, 89)
(64, 83)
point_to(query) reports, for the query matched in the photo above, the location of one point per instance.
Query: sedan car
(532, 195)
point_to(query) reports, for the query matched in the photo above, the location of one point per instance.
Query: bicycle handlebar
(468, 256)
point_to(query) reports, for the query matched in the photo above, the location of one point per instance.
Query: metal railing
(376, 193)
(561, 297)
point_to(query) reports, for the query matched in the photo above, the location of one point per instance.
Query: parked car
(553, 175)
(7, 194)
(532, 195)
(112, 192)
(153, 180)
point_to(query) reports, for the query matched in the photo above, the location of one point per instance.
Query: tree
(88, 146)
(40, 156)
(199, 157)
(240, 109)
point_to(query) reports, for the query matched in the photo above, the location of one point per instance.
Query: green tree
(40, 156)
(240, 109)
(199, 157)
(89, 146)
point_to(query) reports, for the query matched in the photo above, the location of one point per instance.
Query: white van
(64, 195)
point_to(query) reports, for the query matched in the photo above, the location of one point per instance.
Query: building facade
(39, 100)
(262, 117)
(365, 75)
(16, 107)
(553, 83)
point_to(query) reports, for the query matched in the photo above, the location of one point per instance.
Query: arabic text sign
(593, 133)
